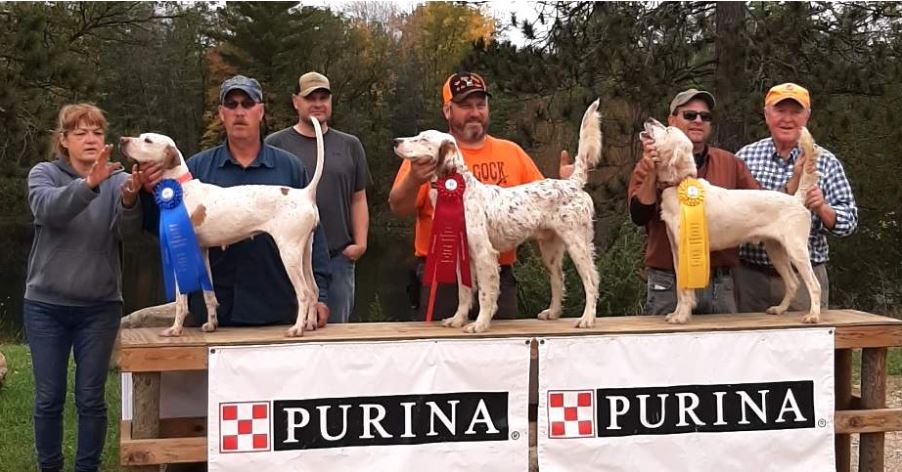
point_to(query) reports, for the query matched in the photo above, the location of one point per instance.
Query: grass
(17, 451)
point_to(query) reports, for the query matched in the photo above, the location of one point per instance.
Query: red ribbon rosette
(448, 249)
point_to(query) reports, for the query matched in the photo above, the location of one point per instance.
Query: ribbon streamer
(183, 265)
(448, 250)
(694, 254)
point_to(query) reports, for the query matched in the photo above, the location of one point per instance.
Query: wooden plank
(859, 337)
(146, 417)
(873, 396)
(148, 454)
(843, 391)
(868, 421)
(149, 337)
(183, 427)
(163, 359)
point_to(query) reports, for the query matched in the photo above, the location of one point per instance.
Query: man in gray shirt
(341, 196)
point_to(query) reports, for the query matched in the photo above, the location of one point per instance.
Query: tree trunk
(729, 77)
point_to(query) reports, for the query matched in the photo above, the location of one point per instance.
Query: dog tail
(320, 158)
(810, 175)
(589, 152)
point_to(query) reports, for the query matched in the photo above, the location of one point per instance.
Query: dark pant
(446, 297)
(52, 332)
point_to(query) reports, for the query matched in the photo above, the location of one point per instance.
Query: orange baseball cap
(788, 91)
(461, 85)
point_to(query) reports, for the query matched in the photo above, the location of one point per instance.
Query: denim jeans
(341, 289)
(52, 332)
(717, 297)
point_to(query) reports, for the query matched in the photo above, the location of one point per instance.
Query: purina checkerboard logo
(614, 412)
(244, 427)
(571, 414)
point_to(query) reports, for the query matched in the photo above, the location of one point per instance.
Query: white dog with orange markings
(223, 216)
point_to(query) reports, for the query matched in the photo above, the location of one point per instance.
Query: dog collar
(184, 178)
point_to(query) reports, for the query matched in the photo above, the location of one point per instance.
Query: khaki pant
(759, 290)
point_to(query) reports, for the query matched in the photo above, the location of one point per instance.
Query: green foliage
(17, 426)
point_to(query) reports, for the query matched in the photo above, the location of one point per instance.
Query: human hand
(354, 251)
(152, 174)
(322, 314)
(565, 169)
(131, 187)
(814, 199)
(102, 168)
(421, 170)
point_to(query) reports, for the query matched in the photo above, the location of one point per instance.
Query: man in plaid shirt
(777, 163)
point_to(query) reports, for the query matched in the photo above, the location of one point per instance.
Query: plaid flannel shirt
(773, 172)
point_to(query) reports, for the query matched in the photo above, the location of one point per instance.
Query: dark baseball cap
(239, 82)
(461, 85)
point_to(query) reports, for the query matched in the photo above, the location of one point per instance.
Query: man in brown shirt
(690, 111)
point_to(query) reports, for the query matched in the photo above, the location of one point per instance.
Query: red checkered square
(571, 414)
(244, 427)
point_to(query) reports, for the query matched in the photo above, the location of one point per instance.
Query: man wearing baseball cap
(777, 163)
(465, 105)
(341, 195)
(249, 277)
(692, 112)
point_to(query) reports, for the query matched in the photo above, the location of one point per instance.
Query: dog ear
(171, 158)
(446, 153)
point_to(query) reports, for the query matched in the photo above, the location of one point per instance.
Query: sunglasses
(233, 104)
(692, 115)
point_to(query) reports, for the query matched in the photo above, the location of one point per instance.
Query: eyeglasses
(689, 115)
(233, 104)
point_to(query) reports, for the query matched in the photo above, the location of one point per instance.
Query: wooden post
(873, 396)
(843, 389)
(146, 411)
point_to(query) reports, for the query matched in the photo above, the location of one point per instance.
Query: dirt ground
(893, 443)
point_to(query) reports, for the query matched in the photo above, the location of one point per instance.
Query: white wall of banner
(449, 405)
(712, 401)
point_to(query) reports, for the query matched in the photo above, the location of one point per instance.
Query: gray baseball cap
(239, 82)
(687, 96)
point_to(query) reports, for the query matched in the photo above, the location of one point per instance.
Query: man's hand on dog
(645, 172)
(565, 169)
(152, 174)
(421, 170)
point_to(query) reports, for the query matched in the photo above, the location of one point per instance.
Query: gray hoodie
(74, 258)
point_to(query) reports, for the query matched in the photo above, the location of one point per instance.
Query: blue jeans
(341, 289)
(52, 332)
(717, 297)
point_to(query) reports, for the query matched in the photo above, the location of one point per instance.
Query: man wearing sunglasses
(777, 163)
(249, 278)
(691, 112)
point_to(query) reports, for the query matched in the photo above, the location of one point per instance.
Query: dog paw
(775, 310)
(586, 322)
(453, 322)
(677, 318)
(209, 326)
(811, 318)
(549, 314)
(172, 332)
(294, 332)
(476, 327)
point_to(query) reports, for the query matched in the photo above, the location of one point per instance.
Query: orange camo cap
(790, 91)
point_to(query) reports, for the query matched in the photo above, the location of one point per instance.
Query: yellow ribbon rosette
(694, 256)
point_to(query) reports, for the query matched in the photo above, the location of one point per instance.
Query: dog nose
(397, 141)
(123, 141)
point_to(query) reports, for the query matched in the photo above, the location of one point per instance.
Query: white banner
(713, 401)
(445, 405)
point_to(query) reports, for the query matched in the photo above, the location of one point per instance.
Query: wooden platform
(146, 441)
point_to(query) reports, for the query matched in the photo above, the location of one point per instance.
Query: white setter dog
(556, 213)
(780, 220)
(223, 216)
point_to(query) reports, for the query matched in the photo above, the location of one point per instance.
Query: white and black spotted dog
(556, 213)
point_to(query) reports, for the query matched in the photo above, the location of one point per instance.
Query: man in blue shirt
(777, 165)
(249, 279)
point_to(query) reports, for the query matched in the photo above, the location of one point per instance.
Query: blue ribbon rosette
(182, 260)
